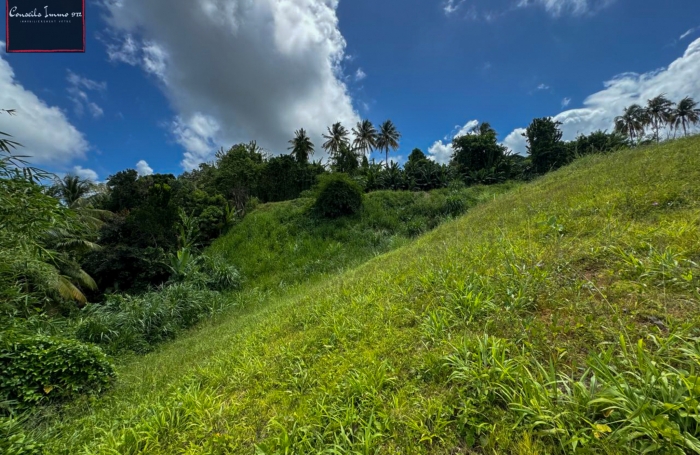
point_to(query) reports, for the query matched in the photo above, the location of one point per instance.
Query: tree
(658, 113)
(686, 114)
(388, 138)
(479, 154)
(302, 147)
(345, 161)
(365, 137)
(416, 156)
(337, 137)
(632, 122)
(545, 146)
(71, 189)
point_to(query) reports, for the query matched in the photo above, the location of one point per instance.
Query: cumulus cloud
(441, 152)
(44, 131)
(78, 86)
(143, 168)
(85, 173)
(560, 7)
(676, 81)
(237, 70)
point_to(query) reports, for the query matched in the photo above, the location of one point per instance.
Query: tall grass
(558, 318)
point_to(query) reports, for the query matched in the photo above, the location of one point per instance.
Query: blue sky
(165, 84)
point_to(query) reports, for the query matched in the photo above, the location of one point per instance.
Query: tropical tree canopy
(365, 137)
(388, 138)
(544, 145)
(686, 114)
(335, 139)
(301, 147)
(659, 112)
(632, 122)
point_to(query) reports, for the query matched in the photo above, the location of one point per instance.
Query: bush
(338, 195)
(136, 323)
(39, 368)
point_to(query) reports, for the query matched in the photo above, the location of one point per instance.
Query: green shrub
(338, 195)
(39, 368)
(136, 323)
(14, 441)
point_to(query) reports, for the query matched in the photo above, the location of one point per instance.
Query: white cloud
(543, 87)
(360, 75)
(516, 142)
(565, 102)
(44, 131)
(84, 173)
(441, 152)
(77, 92)
(238, 70)
(451, 6)
(574, 7)
(143, 168)
(688, 33)
(676, 81)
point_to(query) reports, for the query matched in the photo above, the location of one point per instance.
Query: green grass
(559, 317)
(281, 244)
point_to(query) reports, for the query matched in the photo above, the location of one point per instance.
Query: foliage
(513, 329)
(14, 441)
(38, 368)
(336, 139)
(279, 245)
(338, 195)
(302, 147)
(365, 137)
(345, 161)
(479, 158)
(387, 139)
(41, 242)
(138, 323)
(544, 145)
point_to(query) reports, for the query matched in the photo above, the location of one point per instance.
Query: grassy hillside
(559, 317)
(280, 244)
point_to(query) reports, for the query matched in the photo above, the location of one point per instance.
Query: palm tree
(71, 189)
(365, 137)
(302, 147)
(484, 129)
(632, 122)
(337, 137)
(388, 138)
(659, 112)
(686, 114)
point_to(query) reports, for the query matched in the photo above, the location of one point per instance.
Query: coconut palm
(337, 137)
(302, 147)
(71, 189)
(686, 114)
(365, 137)
(632, 122)
(659, 112)
(388, 138)
(484, 129)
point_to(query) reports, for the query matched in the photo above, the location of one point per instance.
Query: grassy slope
(373, 360)
(278, 244)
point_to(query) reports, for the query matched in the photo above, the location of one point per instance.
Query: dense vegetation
(558, 317)
(120, 267)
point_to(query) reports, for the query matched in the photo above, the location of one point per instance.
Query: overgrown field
(280, 244)
(560, 317)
